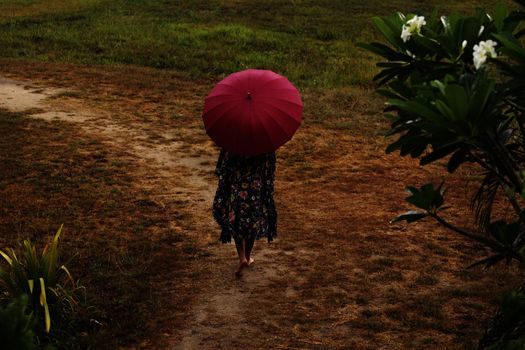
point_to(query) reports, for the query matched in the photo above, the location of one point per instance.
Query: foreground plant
(456, 93)
(16, 325)
(47, 281)
(446, 102)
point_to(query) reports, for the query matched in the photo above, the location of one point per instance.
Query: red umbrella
(252, 112)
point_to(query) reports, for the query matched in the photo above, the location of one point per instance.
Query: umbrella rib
(231, 86)
(268, 132)
(219, 116)
(214, 104)
(280, 127)
(221, 95)
(240, 83)
(281, 110)
(252, 121)
(237, 141)
(284, 100)
(269, 81)
(219, 105)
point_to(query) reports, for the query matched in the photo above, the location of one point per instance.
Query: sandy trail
(221, 316)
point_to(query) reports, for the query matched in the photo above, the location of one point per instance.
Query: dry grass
(123, 244)
(347, 278)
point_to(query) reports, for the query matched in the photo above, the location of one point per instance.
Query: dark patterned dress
(243, 204)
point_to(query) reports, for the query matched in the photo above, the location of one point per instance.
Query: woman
(243, 204)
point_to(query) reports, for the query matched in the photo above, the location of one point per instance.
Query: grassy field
(311, 42)
(342, 274)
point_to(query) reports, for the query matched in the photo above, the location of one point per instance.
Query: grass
(134, 257)
(50, 174)
(313, 43)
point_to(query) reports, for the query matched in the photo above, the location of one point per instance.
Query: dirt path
(221, 317)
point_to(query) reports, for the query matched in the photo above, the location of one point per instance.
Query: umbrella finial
(249, 96)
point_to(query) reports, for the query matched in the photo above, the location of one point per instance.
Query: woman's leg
(240, 245)
(248, 246)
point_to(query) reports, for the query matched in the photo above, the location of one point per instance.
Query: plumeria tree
(454, 87)
(456, 93)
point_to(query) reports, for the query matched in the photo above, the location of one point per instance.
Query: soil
(339, 276)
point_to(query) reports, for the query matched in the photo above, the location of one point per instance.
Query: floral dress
(243, 204)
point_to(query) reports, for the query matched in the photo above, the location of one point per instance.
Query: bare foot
(250, 262)
(242, 265)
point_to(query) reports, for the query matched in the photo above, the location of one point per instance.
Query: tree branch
(489, 168)
(508, 163)
(515, 204)
(482, 239)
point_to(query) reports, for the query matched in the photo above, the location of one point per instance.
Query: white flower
(481, 29)
(412, 26)
(483, 50)
(463, 45)
(405, 34)
(417, 22)
(445, 23)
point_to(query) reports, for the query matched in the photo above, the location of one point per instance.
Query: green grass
(311, 42)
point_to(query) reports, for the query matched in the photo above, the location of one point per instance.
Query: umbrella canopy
(252, 112)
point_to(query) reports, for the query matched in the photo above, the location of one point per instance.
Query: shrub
(449, 102)
(508, 327)
(47, 282)
(16, 325)
(456, 92)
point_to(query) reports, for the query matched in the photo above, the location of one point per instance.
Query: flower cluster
(482, 51)
(412, 26)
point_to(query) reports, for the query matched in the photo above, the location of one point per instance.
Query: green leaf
(446, 23)
(427, 197)
(65, 269)
(468, 29)
(477, 104)
(47, 318)
(415, 108)
(387, 74)
(43, 299)
(383, 51)
(439, 85)
(500, 13)
(418, 149)
(511, 46)
(392, 37)
(7, 258)
(410, 216)
(431, 45)
(456, 160)
(52, 256)
(407, 139)
(388, 93)
(505, 233)
(512, 22)
(456, 97)
(57, 235)
(445, 110)
(488, 262)
(439, 153)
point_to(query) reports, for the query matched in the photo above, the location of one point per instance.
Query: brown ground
(120, 156)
